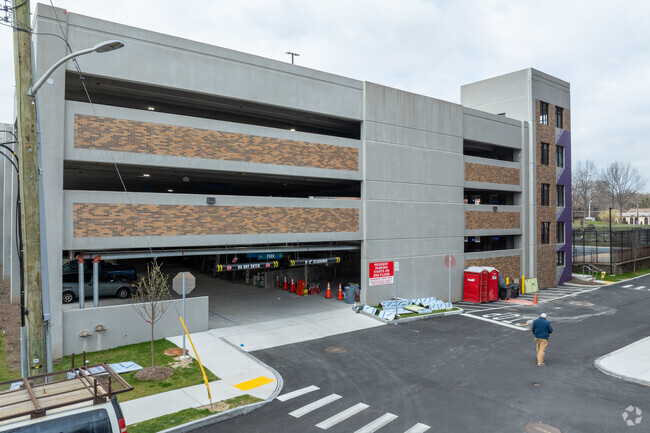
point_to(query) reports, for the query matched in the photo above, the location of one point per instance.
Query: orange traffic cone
(535, 299)
(293, 287)
(340, 298)
(285, 283)
(328, 295)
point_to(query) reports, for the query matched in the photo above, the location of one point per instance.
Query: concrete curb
(410, 319)
(430, 316)
(598, 365)
(228, 414)
(591, 286)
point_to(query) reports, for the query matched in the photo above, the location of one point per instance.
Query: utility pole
(29, 189)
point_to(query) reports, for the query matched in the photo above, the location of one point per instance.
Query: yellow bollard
(523, 290)
(507, 281)
(602, 275)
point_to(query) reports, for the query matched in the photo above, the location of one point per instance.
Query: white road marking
(639, 288)
(507, 325)
(627, 286)
(347, 413)
(315, 405)
(377, 424)
(297, 393)
(418, 428)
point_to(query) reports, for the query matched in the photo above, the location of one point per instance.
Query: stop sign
(177, 283)
(450, 261)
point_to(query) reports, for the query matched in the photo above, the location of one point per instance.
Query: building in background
(222, 152)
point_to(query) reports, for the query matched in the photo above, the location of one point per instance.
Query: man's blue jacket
(541, 328)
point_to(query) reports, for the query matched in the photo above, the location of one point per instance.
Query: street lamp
(35, 350)
(102, 47)
(292, 55)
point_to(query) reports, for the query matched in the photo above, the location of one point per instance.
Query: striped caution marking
(344, 415)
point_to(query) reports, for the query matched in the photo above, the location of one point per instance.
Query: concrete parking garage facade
(220, 149)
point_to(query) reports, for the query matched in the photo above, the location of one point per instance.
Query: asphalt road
(457, 374)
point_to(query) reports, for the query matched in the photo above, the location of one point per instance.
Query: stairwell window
(560, 195)
(543, 113)
(559, 156)
(546, 234)
(545, 194)
(560, 232)
(543, 154)
(560, 258)
(559, 122)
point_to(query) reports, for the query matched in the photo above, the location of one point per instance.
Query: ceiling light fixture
(151, 108)
(146, 175)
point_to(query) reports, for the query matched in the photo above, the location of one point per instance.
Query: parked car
(75, 400)
(104, 417)
(109, 285)
(125, 272)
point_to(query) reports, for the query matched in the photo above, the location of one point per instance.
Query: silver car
(109, 285)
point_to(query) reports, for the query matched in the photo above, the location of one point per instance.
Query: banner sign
(381, 273)
(265, 256)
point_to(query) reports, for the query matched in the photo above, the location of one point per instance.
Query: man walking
(542, 329)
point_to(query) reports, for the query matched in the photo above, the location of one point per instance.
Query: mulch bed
(175, 351)
(152, 374)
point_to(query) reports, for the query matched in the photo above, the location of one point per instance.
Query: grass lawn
(626, 276)
(187, 415)
(6, 373)
(141, 354)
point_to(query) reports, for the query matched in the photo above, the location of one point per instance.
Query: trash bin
(349, 294)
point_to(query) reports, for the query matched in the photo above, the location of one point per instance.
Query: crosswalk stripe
(377, 424)
(315, 405)
(347, 413)
(297, 393)
(627, 286)
(418, 428)
(639, 288)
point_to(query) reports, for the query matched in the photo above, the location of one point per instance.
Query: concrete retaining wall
(125, 326)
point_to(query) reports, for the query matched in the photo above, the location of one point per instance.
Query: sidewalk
(223, 352)
(631, 363)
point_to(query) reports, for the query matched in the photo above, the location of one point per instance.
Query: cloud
(430, 47)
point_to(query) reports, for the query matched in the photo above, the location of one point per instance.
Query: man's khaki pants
(541, 349)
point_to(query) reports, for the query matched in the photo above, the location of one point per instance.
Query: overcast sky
(429, 47)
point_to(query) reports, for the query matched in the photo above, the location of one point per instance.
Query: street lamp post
(34, 348)
(292, 55)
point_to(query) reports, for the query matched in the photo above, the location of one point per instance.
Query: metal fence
(593, 246)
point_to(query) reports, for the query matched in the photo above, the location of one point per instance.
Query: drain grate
(538, 427)
(335, 349)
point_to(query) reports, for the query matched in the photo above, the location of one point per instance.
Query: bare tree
(621, 181)
(147, 300)
(584, 184)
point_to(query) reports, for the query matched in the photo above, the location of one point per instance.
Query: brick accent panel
(124, 220)
(120, 135)
(509, 266)
(546, 269)
(475, 220)
(491, 174)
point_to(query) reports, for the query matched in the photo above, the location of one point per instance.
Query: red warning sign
(381, 273)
